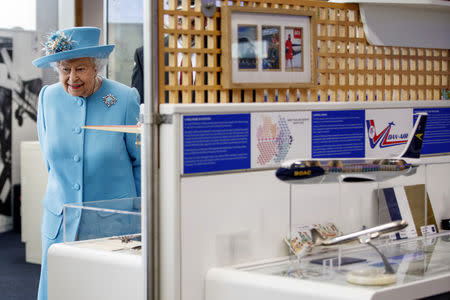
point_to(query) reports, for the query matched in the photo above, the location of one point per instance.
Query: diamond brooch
(109, 100)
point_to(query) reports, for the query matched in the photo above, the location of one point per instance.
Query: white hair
(100, 64)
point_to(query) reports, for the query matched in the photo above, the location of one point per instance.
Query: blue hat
(72, 43)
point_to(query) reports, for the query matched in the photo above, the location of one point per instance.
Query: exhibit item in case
(122, 243)
(304, 240)
(364, 236)
(408, 203)
(356, 170)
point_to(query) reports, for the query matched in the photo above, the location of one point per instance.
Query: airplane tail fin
(415, 140)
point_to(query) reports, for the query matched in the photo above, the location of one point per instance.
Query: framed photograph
(293, 49)
(247, 59)
(268, 48)
(270, 37)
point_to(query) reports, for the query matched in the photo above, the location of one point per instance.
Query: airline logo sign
(302, 173)
(387, 131)
(384, 138)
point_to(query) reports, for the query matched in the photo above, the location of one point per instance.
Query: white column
(66, 14)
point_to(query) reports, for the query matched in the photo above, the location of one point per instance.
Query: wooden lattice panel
(348, 68)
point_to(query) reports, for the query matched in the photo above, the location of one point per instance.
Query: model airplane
(364, 236)
(357, 170)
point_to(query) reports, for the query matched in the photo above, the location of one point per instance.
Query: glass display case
(105, 258)
(392, 251)
(421, 265)
(113, 225)
(412, 260)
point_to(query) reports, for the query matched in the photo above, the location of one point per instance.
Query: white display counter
(95, 269)
(105, 261)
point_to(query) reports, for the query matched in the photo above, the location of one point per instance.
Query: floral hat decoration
(72, 43)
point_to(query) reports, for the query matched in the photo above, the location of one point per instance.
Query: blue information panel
(338, 134)
(437, 130)
(216, 143)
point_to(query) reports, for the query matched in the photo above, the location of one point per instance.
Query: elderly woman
(83, 165)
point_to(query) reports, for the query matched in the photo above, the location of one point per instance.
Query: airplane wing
(117, 128)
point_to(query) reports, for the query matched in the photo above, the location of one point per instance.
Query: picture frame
(268, 48)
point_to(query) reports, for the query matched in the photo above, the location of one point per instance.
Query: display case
(105, 261)
(114, 219)
(422, 267)
(409, 260)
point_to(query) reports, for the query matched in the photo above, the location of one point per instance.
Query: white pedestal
(33, 178)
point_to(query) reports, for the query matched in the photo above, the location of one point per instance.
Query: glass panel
(120, 218)
(124, 23)
(412, 260)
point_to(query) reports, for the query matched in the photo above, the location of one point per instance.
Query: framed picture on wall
(268, 48)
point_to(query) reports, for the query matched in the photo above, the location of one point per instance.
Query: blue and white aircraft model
(357, 170)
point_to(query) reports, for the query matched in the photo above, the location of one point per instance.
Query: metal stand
(387, 266)
(149, 154)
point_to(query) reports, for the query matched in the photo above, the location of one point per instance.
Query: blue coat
(84, 165)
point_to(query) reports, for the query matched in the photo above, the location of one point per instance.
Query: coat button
(76, 158)
(77, 130)
(80, 102)
(76, 187)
